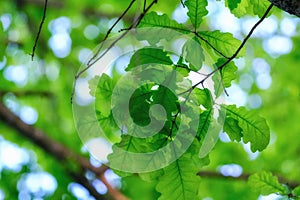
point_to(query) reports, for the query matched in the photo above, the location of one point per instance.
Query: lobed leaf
(103, 93)
(254, 128)
(152, 19)
(260, 6)
(149, 56)
(224, 77)
(232, 4)
(223, 42)
(194, 54)
(204, 123)
(266, 183)
(197, 10)
(180, 180)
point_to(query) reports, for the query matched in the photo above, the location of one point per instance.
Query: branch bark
(290, 6)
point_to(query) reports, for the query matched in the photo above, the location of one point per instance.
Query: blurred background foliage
(39, 93)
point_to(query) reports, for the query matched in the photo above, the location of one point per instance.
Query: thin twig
(116, 194)
(182, 3)
(110, 30)
(145, 2)
(94, 59)
(40, 29)
(236, 52)
(209, 44)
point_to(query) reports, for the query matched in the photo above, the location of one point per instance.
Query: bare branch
(40, 29)
(111, 190)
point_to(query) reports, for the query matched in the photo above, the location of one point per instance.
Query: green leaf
(149, 56)
(232, 4)
(254, 128)
(152, 19)
(139, 105)
(109, 126)
(163, 28)
(223, 42)
(103, 94)
(204, 122)
(224, 77)
(252, 7)
(202, 97)
(296, 191)
(232, 129)
(197, 10)
(260, 6)
(122, 157)
(265, 183)
(243, 8)
(180, 180)
(194, 54)
(166, 98)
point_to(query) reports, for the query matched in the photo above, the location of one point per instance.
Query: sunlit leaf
(149, 56)
(180, 180)
(232, 4)
(223, 78)
(266, 183)
(223, 42)
(254, 128)
(197, 10)
(232, 129)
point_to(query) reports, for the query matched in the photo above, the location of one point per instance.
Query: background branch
(55, 149)
(244, 177)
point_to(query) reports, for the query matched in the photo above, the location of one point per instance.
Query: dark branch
(81, 179)
(290, 6)
(40, 29)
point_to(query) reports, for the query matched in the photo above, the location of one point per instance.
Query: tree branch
(244, 177)
(290, 6)
(57, 150)
(27, 93)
